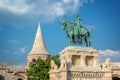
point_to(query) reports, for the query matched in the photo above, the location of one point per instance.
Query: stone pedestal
(54, 75)
(80, 57)
(107, 75)
(80, 63)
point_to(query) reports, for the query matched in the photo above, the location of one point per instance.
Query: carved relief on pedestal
(95, 62)
(106, 65)
(53, 65)
(76, 60)
(89, 61)
(63, 62)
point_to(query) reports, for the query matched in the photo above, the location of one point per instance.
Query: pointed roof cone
(38, 45)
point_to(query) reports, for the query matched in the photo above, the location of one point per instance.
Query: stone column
(107, 76)
(54, 74)
(69, 61)
(95, 61)
(63, 74)
(83, 60)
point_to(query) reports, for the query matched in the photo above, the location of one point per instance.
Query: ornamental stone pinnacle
(38, 49)
(38, 46)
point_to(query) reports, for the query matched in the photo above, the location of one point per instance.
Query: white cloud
(14, 41)
(16, 52)
(109, 52)
(21, 50)
(66, 1)
(14, 6)
(44, 8)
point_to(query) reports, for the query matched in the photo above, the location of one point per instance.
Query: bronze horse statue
(76, 35)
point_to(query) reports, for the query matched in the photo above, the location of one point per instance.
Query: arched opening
(115, 78)
(2, 77)
(20, 79)
(33, 61)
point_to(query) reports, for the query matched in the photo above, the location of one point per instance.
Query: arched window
(2, 77)
(20, 79)
(115, 78)
(33, 61)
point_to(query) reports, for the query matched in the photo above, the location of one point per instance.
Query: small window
(33, 61)
(20, 79)
(115, 78)
(2, 77)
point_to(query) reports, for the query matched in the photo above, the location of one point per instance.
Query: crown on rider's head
(78, 16)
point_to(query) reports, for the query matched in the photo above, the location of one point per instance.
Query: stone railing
(4, 65)
(115, 66)
(17, 69)
(87, 74)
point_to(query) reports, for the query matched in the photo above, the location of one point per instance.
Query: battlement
(115, 65)
(17, 69)
(11, 68)
(5, 65)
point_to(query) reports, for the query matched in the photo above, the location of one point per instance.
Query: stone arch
(33, 61)
(19, 79)
(2, 77)
(115, 77)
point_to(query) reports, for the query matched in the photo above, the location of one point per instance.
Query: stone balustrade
(4, 65)
(115, 66)
(10, 68)
(87, 74)
(17, 69)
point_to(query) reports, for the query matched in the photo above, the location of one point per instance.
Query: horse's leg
(71, 40)
(88, 43)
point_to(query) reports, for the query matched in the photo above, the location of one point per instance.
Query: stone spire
(38, 49)
(38, 46)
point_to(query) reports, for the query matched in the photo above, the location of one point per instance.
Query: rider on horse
(76, 32)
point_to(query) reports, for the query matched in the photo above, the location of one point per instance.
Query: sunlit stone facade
(81, 63)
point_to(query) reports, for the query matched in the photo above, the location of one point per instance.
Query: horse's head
(64, 24)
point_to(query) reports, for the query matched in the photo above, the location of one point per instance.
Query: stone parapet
(81, 63)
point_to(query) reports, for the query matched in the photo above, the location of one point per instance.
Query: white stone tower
(38, 49)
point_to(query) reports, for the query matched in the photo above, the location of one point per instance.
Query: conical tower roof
(38, 45)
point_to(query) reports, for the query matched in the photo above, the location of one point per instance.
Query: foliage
(56, 59)
(40, 68)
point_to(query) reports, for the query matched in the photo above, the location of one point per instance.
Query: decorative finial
(38, 45)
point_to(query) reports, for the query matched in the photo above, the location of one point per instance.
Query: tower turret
(38, 49)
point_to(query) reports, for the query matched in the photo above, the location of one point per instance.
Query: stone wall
(80, 63)
(10, 72)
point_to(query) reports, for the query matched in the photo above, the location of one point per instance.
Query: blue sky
(19, 20)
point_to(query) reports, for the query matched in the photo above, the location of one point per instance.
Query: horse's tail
(89, 34)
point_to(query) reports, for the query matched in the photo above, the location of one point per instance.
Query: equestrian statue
(76, 32)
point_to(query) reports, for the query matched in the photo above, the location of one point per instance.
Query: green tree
(38, 70)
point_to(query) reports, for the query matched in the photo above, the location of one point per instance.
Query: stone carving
(63, 63)
(76, 60)
(53, 65)
(106, 65)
